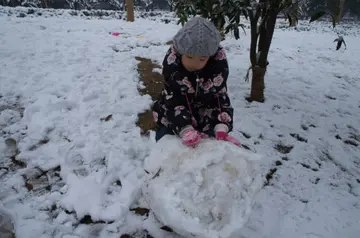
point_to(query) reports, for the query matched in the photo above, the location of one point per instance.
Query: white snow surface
(59, 76)
(205, 192)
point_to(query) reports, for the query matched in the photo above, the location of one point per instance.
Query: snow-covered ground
(60, 76)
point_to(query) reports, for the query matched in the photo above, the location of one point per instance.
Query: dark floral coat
(196, 98)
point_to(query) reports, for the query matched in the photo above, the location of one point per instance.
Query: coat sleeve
(224, 112)
(176, 115)
(173, 89)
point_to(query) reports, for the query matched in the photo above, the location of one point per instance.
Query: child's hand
(190, 137)
(221, 135)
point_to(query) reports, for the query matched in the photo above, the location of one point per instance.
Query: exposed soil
(284, 149)
(153, 86)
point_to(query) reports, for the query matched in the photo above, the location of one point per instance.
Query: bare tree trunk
(258, 59)
(294, 13)
(130, 10)
(257, 84)
(44, 3)
(341, 9)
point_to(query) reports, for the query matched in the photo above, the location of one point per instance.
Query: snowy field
(61, 74)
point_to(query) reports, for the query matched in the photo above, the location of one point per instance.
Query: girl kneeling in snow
(194, 103)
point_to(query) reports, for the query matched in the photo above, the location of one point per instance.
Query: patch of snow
(207, 191)
(61, 74)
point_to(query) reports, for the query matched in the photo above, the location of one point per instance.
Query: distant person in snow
(194, 103)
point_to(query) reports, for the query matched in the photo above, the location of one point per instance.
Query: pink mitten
(221, 135)
(190, 137)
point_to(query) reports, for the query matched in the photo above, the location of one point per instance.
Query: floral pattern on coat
(197, 98)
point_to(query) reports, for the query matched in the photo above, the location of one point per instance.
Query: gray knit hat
(198, 37)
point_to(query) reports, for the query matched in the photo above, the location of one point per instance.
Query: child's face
(194, 63)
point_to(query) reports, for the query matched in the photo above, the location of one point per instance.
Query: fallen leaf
(317, 15)
(10, 142)
(29, 186)
(106, 118)
(166, 228)
(140, 211)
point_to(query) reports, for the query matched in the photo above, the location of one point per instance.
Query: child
(194, 103)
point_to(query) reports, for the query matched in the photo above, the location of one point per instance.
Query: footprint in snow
(298, 137)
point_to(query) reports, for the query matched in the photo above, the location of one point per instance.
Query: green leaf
(236, 33)
(338, 46)
(243, 27)
(230, 27)
(245, 13)
(317, 15)
(224, 14)
(10, 142)
(340, 40)
(285, 5)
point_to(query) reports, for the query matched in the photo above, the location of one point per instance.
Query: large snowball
(205, 191)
